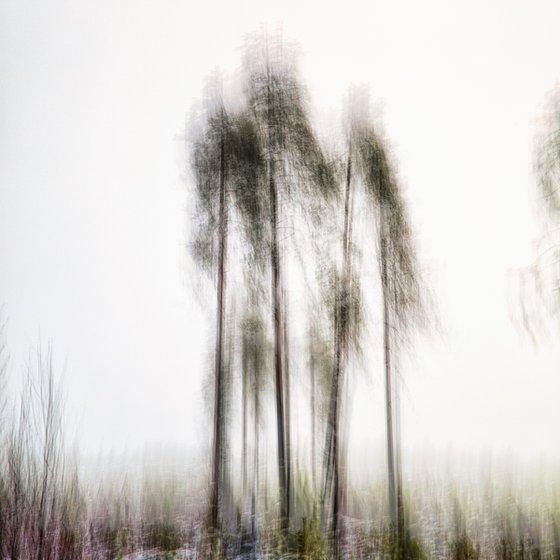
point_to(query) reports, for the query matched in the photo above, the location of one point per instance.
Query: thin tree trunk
(328, 464)
(287, 401)
(244, 392)
(266, 509)
(278, 355)
(255, 460)
(219, 371)
(341, 340)
(341, 357)
(277, 317)
(313, 428)
(388, 380)
(401, 524)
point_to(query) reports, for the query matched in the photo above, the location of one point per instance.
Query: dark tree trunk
(401, 524)
(218, 453)
(333, 447)
(277, 318)
(287, 401)
(313, 421)
(244, 392)
(255, 488)
(278, 354)
(388, 379)
(341, 358)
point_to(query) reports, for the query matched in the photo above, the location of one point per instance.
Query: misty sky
(94, 209)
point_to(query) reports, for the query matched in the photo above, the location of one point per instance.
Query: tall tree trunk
(218, 458)
(255, 488)
(278, 355)
(313, 420)
(244, 393)
(333, 447)
(277, 317)
(387, 360)
(287, 401)
(401, 524)
(342, 354)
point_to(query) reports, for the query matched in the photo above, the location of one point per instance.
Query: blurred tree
(254, 349)
(226, 162)
(345, 305)
(209, 161)
(535, 288)
(548, 157)
(296, 171)
(403, 306)
(544, 276)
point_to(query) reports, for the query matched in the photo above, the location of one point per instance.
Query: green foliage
(539, 299)
(462, 548)
(227, 149)
(548, 157)
(278, 103)
(210, 546)
(385, 545)
(165, 536)
(509, 548)
(413, 549)
(116, 542)
(402, 274)
(343, 303)
(253, 348)
(304, 544)
(310, 543)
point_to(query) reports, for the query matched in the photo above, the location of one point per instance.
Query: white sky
(93, 215)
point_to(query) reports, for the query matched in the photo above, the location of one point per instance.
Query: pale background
(94, 209)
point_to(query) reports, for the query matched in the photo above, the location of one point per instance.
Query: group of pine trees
(272, 202)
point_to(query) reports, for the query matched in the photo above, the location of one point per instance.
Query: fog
(97, 208)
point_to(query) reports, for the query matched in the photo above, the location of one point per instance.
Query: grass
(47, 512)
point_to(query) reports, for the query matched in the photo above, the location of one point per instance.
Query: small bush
(388, 546)
(462, 548)
(164, 536)
(310, 543)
